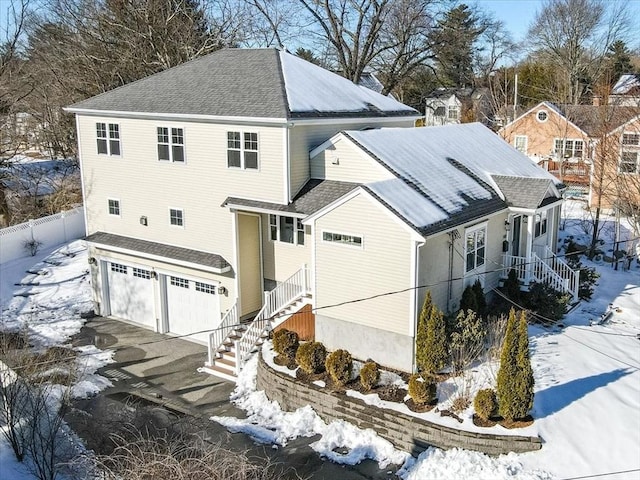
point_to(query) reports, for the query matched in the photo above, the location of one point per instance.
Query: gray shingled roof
(205, 259)
(315, 195)
(523, 192)
(229, 82)
(257, 83)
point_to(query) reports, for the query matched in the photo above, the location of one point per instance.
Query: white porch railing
(547, 268)
(284, 294)
(220, 334)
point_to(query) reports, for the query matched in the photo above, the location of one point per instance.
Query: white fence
(47, 231)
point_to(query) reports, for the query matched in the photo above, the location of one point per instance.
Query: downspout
(416, 307)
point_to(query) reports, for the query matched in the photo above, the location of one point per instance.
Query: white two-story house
(226, 194)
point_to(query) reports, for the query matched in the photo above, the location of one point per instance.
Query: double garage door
(187, 306)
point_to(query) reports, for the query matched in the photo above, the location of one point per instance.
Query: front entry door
(249, 261)
(515, 242)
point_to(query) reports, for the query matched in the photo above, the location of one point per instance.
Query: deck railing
(284, 294)
(220, 334)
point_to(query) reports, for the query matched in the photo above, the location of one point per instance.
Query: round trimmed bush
(369, 375)
(285, 342)
(422, 390)
(311, 357)
(339, 365)
(485, 403)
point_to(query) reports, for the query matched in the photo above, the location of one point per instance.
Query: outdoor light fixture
(154, 274)
(222, 290)
(92, 261)
(143, 220)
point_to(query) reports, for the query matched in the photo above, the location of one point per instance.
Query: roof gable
(523, 192)
(253, 83)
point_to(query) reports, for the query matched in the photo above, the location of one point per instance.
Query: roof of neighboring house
(180, 254)
(446, 176)
(369, 80)
(626, 83)
(444, 93)
(593, 120)
(315, 195)
(256, 83)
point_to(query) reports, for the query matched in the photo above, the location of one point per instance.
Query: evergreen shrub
(311, 357)
(339, 365)
(369, 375)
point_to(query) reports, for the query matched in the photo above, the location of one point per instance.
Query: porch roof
(146, 249)
(525, 192)
(315, 195)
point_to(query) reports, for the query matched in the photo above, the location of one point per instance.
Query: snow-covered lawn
(47, 304)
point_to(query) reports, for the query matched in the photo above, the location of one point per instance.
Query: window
(542, 116)
(342, 238)
(286, 229)
(176, 217)
(108, 145)
(118, 268)
(140, 273)
(242, 150)
(114, 207)
(567, 148)
(452, 112)
(171, 144)
(521, 143)
(541, 224)
(629, 162)
(205, 288)
(179, 282)
(475, 248)
(439, 112)
(631, 139)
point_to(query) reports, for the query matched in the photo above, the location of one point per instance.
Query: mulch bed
(493, 421)
(420, 407)
(390, 393)
(284, 361)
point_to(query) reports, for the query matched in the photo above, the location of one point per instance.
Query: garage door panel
(131, 294)
(192, 306)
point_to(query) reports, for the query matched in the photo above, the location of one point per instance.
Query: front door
(515, 242)
(249, 261)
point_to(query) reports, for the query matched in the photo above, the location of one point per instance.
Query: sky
(517, 15)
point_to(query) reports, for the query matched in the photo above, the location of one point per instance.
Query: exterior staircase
(544, 266)
(231, 344)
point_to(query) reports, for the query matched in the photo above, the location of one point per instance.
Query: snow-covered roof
(446, 175)
(256, 83)
(625, 83)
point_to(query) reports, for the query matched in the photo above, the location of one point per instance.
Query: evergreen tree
(421, 334)
(480, 300)
(435, 349)
(524, 401)
(508, 372)
(454, 40)
(618, 61)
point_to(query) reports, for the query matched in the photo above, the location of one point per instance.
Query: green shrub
(473, 299)
(286, 342)
(369, 375)
(311, 357)
(546, 301)
(515, 376)
(486, 403)
(339, 364)
(431, 339)
(422, 390)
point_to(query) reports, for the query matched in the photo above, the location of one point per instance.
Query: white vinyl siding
(346, 274)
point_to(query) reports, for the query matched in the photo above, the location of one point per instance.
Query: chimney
(596, 100)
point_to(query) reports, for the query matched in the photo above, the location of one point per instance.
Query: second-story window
(242, 150)
(108, 138)
(171, 144)
(453, 112)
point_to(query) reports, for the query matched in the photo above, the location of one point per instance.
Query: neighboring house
(228, 193)
(448, 106)
(571, 141)
(626, 91)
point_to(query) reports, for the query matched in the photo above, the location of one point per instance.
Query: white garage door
(131, 294)
(192, 306)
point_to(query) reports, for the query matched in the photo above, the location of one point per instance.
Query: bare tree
(574, 35)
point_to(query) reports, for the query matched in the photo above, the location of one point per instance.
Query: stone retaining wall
(406, 432)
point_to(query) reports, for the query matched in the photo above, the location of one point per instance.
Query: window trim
(171, 216)
(345, 244)
(473, 229)
(526, 143)
(636, 170)
(170, 144)
(546, 115)
(298, 228)
(453, 109)
(243, 150)
(630, 134)
(119, 207)
(107, 139)
(541, 223)
(564, 141)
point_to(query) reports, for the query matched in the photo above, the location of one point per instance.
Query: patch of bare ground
(420, 407)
